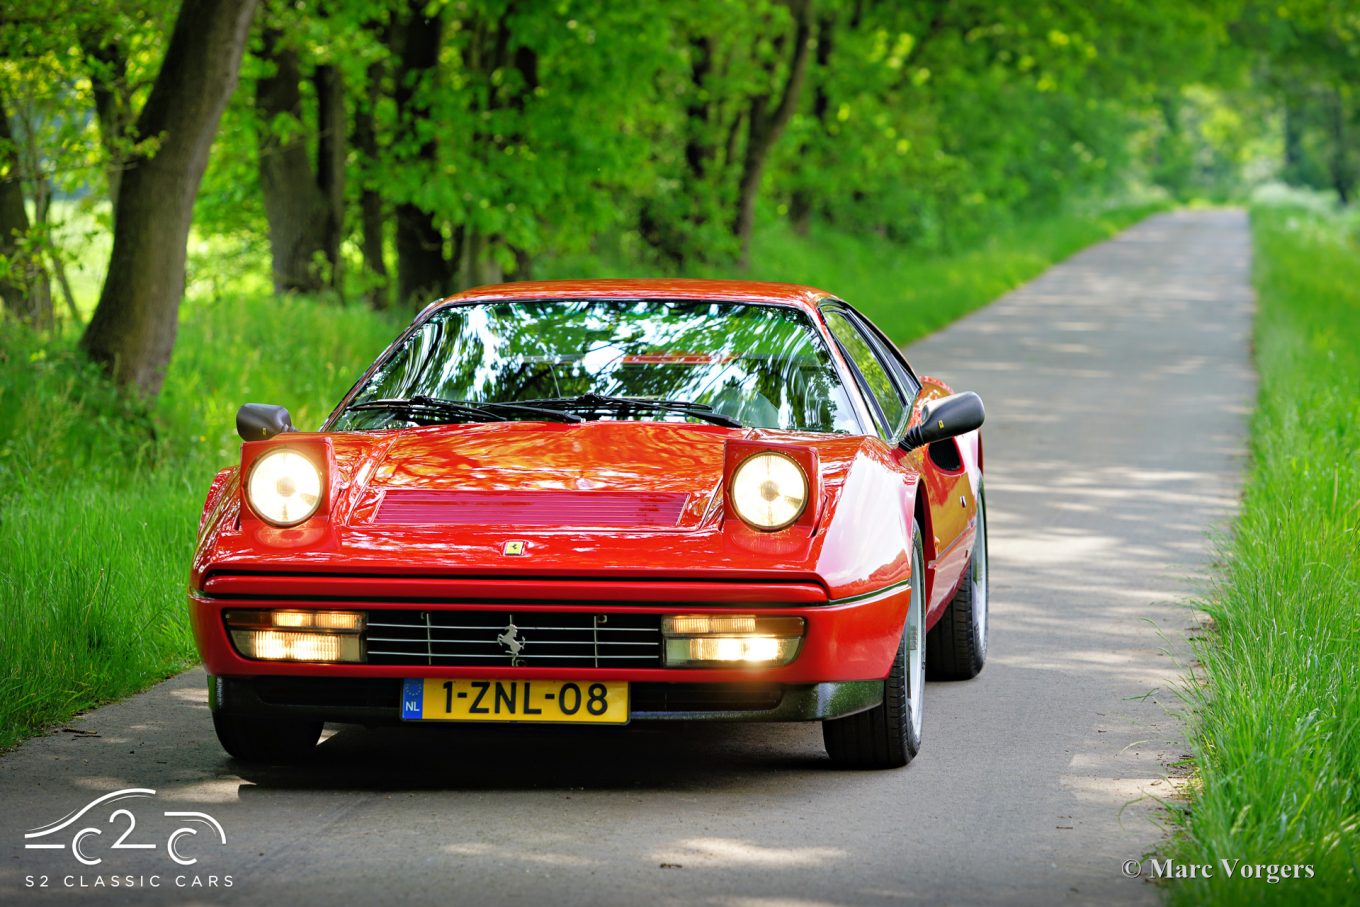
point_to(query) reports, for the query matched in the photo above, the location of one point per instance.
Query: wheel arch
(921, 510)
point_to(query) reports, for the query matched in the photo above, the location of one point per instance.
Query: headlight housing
(769, 490)
(284, 487)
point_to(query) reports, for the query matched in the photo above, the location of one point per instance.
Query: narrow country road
(1117, 385)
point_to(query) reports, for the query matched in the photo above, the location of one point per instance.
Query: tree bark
(764, 126)
(294, 204)
(132, 333)
(801, 202)
(1293, 139)
(25, 291)
(330, 162)
(107, 62)
(370, 201)
(1338, 160)
(424, 272)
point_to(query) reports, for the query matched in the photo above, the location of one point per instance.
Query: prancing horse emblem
(512, 642)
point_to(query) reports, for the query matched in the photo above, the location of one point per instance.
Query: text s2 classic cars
(603, 502)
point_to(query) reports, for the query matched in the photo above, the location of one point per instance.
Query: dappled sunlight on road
(1117, 387)
(727, 852)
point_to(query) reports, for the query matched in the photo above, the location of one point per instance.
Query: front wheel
(889, 734)
(957, 644)
(266, 740)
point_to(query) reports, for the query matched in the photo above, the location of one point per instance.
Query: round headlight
(284, 488)
(769, 490)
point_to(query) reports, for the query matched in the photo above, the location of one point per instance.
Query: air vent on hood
(604, 509)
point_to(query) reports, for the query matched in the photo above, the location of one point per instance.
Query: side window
(891, 411)
(890, 354)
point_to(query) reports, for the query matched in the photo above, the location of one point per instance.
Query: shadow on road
(651, 757)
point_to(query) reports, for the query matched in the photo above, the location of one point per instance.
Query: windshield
(762, 365)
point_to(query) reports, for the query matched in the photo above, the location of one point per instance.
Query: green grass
(1275, 726)
(99, 499)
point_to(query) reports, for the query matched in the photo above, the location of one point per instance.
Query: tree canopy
(399, 150)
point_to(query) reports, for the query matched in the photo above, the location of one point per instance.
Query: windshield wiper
(594, 405)
(480, 412)
(419, 404)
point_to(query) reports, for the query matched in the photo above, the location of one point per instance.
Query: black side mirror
(947, 417)
(261, 421)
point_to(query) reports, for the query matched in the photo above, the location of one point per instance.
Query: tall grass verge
(99, 498)
(1275, 726)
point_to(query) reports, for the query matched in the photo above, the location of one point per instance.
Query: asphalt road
(1117, 384)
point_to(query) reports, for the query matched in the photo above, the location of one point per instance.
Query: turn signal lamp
(730, 640)
(316, 636)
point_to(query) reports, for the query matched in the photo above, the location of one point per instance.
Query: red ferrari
(602, 502)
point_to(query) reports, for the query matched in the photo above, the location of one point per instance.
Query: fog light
(318, 636)
(705, 640)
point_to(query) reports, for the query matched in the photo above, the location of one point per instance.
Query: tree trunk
(294, 205)
(132, 333)
(424, 272)
(765, 126)
(698, 141)
(1338, 161)
(801, 202)
(1293, 139)
(25, 290)
(330, 162)
(107, 62)
(370, 202)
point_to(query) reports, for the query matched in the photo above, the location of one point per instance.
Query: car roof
(733, 290)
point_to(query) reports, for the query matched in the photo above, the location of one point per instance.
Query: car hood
(588, 499)
(597, 474)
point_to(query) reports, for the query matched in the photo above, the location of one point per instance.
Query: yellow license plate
(555, 701)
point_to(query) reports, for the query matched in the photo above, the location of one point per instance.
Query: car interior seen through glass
(761, 366)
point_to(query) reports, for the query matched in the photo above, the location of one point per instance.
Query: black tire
(956, 647)
(889, 734)
(267, 740)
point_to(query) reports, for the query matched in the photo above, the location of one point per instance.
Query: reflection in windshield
(763, 365)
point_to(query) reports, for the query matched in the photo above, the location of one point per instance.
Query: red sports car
(602, 502)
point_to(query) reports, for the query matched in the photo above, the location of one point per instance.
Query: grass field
(99, 500)
(1276, 721)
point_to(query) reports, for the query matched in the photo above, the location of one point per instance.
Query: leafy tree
(133, 329)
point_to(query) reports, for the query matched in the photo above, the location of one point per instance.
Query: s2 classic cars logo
(87, 842)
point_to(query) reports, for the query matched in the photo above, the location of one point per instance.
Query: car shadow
(667, 756)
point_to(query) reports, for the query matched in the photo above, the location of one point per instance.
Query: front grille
(508, 639)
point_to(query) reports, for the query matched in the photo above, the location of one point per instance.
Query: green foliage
(1276, 726)
(99, 497)
(1307, 55)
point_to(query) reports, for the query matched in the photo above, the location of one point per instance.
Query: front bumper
(847, 650)
(377, 701)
